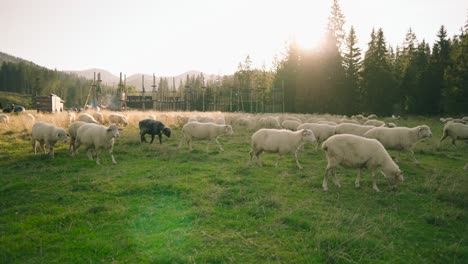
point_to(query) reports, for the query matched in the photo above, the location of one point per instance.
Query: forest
(416, 78)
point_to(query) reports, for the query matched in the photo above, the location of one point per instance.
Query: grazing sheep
(290, 124)
(330, 123)
(118, 119)
(72, 130)
(153, 127)
(210, 131)
(269, 122)
(358, 152)
(321, 131)
(352, 129)
(390, 125)
(243, 121)
(149, 116)
(279, 141)
(372, 116)
(456, 131)
(373, 122)
(4, 119)
(220, 121)
(47, 134)
(182, 120)
(87, 118)
(445, 120)
(399, 138)
(97, 138)
(394, 117)
(30, 118)
(466, 167)
(71, 116)
(99, 117)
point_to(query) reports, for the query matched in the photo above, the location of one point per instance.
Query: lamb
(97, 137)
(456, 131)
(87, 118)
(4, 119)
(118, 119)
(290, 124)
(358, 152)
(153, 127)
(399, 138)
(47, 134)
(374, 122)
(321, 131)
(352, 129)
(210, 131)
(99, 117)
(279, 141)
(72, 130)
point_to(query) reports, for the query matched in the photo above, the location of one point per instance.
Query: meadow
(161, 204)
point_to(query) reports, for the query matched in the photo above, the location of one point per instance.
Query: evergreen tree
(336, 22)
(352, 64)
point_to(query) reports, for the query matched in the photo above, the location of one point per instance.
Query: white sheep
(456, 131)
(279, 141)
(358, 152)
(99, 117)
(87, 118)
(182, 120)
(372, 116)
(97, 138)
(72, 131)
(4, 119)
(209, 131)
(242, 121)
(374, 122)
(330, 123)
(291, 124)
(466, 167)
(149, 116)
(352, 129)
(321, 131)
(220, 121)
(30, 118)
(118, 119)
(399, 138)
(47, 134)
(71, 116)
(269, 122)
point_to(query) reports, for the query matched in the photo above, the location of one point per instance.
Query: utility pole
(155, 95)
(143, 90)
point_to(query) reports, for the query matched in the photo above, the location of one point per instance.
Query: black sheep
(153, 127)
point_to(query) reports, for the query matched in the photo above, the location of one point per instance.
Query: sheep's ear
(120, 129)
(109, 129)
(304, 132)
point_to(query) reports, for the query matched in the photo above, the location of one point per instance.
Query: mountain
(106, 77)
(9, 58)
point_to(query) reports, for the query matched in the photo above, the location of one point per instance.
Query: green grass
(161, 204)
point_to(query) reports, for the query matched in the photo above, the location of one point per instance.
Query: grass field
(161, 204)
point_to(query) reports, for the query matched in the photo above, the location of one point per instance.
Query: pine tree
(352, 65)
(336, 22)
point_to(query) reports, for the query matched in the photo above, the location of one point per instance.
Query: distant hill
(10, 58)
(106, 77)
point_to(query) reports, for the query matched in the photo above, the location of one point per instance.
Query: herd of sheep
(356, 142)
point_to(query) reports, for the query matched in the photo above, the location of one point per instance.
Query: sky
(169, 37)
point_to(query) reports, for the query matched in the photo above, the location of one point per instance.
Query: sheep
(279, 141)
(99, 117)
(4, 119)
(394, 117)
(372, 116)
(97, 137)
(118, 119)
(358, 152)
(466, 167)
(182, 120)
(321, 131)
(71, 116)
(390, 125)
(291, 124)
(87, 118)
(374, 122)
(269, 122)
(210, 131)
(399, 138)
(72, 130)
(456, 131)
(30, 118)
(153, 127)
(149, 116)
(330, 123)
(220, 121)
(206, 119)
(243, 121)
(352, 129)
(47, 134)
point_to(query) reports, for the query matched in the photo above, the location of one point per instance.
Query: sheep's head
(167, 131)
(61, 134)
(228, 130)
(308, 135)
(114, 131)
(424, 131)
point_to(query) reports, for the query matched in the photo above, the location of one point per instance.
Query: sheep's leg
(335, 179)
(453, 142)
(90, 154)
(251, 154)
(277, 160)
(357, 183)
(142, 137)
(51, 150)
(325, 179)
(160, 139)
(413, 156)
(221, 148)
(111, 152)
(444, 136)
(42, 145)
(297, 161)
(189, 142)
(181, 141)
(374, 183)
(98, 154)
(259, 161)
(34, 145)
(152, 138)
